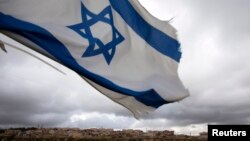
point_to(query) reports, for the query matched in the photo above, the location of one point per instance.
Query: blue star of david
(89, 19)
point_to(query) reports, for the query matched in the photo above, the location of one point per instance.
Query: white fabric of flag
(115, 45)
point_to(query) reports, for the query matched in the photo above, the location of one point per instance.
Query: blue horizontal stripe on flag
(154, 37)
(48, 42)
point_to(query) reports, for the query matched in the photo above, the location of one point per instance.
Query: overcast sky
(214, 67)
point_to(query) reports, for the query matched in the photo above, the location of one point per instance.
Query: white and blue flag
(115, 45)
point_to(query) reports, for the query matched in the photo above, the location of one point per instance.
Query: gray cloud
(214, 64)
(214, 67)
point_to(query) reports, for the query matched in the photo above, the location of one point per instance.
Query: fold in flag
(2, 46)
(115, 45)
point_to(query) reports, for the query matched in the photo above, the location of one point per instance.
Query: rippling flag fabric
(115, 45)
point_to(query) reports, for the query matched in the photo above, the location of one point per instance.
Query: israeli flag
(115, 45)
